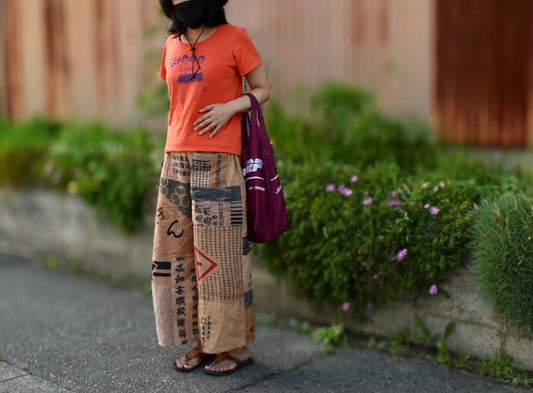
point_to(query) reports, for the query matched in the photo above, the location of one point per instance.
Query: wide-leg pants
(201, 273)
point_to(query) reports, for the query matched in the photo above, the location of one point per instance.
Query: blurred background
(464, 65)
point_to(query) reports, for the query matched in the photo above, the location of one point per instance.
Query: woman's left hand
(214, 117)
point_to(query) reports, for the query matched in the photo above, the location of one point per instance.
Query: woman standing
(201, 274)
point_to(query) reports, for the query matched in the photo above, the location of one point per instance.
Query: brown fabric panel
(173, 276)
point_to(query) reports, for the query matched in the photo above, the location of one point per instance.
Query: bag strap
(253, 100)
(257, 117)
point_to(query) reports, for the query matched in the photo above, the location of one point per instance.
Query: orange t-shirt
(224, 58)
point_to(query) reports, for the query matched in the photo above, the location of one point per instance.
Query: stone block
(481, 341)
(520, 348)
(462, 300)
(388, 320)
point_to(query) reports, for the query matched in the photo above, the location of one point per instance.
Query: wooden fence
(67, 58)
(466, 65)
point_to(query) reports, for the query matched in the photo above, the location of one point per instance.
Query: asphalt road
(62, 333)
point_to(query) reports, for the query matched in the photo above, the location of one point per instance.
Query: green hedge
(110, 169)
(23, 148)
(388, 236)
(502, 248)
(417, 228)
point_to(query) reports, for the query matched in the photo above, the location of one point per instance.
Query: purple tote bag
(266, 208)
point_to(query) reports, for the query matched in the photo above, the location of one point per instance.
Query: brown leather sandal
(226, 356)
(193, 354)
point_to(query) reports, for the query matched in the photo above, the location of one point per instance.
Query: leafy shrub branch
(112, 170)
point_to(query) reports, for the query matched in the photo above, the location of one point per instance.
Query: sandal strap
(226, 356)
(194, 353)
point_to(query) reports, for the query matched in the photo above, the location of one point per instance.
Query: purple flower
(354, 179)
(346, 192)
(346, 306)
(401, 255)
(343, 190)
(368, 201)
(330, 188)
(434, 210)
(370, 305)
(376, 277)
(436, 189)
(433, 290)
(427, 206)
(395, 202)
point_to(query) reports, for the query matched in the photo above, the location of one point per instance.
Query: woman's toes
(187, 364)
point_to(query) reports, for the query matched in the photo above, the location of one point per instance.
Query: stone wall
(37, 223)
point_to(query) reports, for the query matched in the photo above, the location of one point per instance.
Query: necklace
(194, 58)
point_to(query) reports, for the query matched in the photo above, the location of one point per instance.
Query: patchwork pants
(201, 273)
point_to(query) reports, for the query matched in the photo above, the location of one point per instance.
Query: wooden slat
(529, 136)
(57, 58)
(516, 69)
(84, 81)
(32, 47)
(12, 27)
(3, 62)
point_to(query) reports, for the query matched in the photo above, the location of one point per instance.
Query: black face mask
(191, 13)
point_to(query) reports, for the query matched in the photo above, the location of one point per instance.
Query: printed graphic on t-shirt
(189, 68)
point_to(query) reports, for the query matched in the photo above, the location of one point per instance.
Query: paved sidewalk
(60, 334)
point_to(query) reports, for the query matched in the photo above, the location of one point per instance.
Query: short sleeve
(162, 68)
(246, 55)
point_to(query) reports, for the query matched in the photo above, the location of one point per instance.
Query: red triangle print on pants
(204, 264)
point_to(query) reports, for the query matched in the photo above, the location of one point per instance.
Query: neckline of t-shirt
(204, 40)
